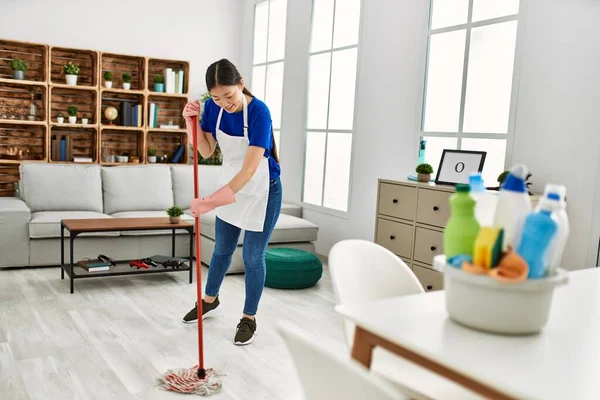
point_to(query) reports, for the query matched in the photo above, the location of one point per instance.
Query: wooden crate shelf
(9, 175)
(120, 100)
(157, 66)
(169, 109)
(119, 64)
(86, 59)
(29, 139)
(166, 143)
(121, 142)
(80, 142)
(23, 82)
(15, 101)
(34, 55)
(86, 102)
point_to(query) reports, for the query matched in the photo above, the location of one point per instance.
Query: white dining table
(561, 362)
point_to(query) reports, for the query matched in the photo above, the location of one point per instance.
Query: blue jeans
(254, 249)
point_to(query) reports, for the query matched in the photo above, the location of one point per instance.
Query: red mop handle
(201, 370)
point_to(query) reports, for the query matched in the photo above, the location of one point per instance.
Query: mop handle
(201, 370)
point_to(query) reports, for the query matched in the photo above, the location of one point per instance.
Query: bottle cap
(558, 189)
(476, 182)
(515, 182)
(462, 188)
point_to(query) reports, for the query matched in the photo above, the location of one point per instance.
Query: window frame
(321, 208)
(460, 135)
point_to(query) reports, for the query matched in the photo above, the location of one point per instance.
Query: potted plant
(84, 119)
(126, 80)
(107, 79)
(159, 83)
(18, 68)
(175, 214)
(71, 70)
(72, 111)
(60, 118)
(152, 155)
(424, 172)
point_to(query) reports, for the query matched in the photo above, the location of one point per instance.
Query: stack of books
(173, 80)
(94, 265)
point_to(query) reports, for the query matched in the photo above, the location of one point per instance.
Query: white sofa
(30, 225)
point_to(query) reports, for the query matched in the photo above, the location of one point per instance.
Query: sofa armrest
(14, 232)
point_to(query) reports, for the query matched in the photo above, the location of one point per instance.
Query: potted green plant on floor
(107, 79)
(126, 80)
(159, 83)
(72, 111)
(18, 67)
(60, 118)
(424, 172)
(152, 155)
(71, 71)
(175, 214)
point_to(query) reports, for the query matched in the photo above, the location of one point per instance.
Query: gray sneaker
(208, 309)
(246, 332)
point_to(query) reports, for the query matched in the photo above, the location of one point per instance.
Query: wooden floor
(114, 336)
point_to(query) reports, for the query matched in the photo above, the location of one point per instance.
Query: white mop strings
(187, 381)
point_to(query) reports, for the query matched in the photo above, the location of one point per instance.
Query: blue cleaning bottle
(538, 232)
(422, 158)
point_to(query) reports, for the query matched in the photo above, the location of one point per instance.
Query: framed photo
(456, 166)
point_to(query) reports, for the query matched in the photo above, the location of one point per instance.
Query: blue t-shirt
(259, 127)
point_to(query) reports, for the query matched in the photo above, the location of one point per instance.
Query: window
(333, 59)
(269, 53)
(469, 78)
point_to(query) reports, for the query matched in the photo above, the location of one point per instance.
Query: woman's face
(229, 97)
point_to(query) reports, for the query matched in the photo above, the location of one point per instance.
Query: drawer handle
(395, 201)
(435, 208)
(392, 237)
(429, 287)
(433, 248)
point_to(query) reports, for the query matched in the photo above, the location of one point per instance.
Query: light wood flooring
(114, 336)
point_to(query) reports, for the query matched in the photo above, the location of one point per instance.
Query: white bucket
(480, 302)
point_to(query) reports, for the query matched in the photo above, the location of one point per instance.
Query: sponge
(488, 247)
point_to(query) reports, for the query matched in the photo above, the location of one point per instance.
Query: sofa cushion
(149, 214)
(137, 188)
(291, 209)
(57, 187)
(46, 224)
(288, 229)
(183, 182)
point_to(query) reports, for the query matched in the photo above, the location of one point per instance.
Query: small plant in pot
(71, 70)
(84, 119)
(175, 214)
(60, 118)
(159, 83)
(107, 79)
(18, 67)
(152, 155)
(126, 80)
(72, 111)
(424, 172)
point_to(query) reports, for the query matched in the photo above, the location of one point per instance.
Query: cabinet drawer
(430, 279)
(397, 201)
(428, 244)
(433, 207)
(395, 236)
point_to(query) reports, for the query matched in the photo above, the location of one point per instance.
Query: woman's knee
(253, 258)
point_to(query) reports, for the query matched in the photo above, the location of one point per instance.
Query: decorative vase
(60, 120)
(72, 120)
(84, 121)
(424, 177)
(126, 85)
(152, 159)
(20, 75)
(108, 84)
(159, 87)
(71, 80)
(175, 220)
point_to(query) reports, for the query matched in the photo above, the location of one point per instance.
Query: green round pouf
(292, 268)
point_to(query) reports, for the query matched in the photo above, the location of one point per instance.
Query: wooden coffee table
(78, 226)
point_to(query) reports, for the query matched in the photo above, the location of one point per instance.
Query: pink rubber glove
(190, 110)
(221, 197)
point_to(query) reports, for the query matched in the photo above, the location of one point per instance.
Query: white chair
(363, 271)
(327, 376)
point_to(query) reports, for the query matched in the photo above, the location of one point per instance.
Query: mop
(197, 379)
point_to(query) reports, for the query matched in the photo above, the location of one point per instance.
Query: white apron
(248, 211)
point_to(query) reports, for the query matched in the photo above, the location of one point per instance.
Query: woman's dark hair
(224, 73)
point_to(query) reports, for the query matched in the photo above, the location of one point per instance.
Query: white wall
(557, 127)
(197, 31)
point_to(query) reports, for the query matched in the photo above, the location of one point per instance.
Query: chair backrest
(344, 379)
(363, 271)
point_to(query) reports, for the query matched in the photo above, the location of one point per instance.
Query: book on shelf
(93, 265)
(166, 126)
(153, 115)
(131, 114)
(83, 159)
(173, 80)
(178, 153)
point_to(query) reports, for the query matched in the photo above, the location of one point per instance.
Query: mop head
(187, 381)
